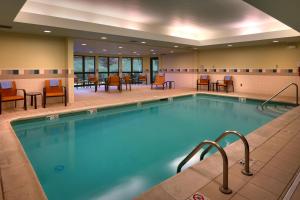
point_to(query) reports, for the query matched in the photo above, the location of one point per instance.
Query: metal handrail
(297, 96)
(246, 171)
(223, 188)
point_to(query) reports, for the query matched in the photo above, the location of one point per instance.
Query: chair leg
(15, 104)
(25, 103)
(0, 106)
(44, 102)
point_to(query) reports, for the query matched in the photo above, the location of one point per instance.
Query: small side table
(33, 98)
(213, 85)
(170, 84)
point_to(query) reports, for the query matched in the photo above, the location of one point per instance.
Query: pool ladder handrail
(282, 90)
(224, 187)
(246, 171)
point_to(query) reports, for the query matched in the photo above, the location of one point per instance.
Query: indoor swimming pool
(120, 152)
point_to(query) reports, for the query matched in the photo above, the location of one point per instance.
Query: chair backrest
(142, 77)
(8, 88)
(159, 79)
(53, 86)
(204, 79)
(113, 80)
(228, 79)
(92, 78)
(127, 78)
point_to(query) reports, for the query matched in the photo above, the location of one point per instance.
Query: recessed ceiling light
(138, 54)
(229, 45)
(151, 50)
(104, 49)
(83, 44)
(47, 31)
(134, 52)
(120, 47)
(153, 53)
(275, 41)
(90, 51)
(171, 51)
(195, 48)
(120, 53)
(103, 38)
(176, 46)
(143, 42)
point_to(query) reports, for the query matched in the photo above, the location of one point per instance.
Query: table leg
(31, 100)
(35, 106)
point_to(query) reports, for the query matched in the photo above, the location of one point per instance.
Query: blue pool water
(118, 153)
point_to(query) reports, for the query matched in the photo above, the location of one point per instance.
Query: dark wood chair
(54, 88)
(204, 80)
(160, 80)
(226, 83)
(9, 92)
(114, 80)
(127, 81)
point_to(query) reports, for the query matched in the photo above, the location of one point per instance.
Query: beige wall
(31, 51)
(267, 56)
(255, 56)
(179, 60)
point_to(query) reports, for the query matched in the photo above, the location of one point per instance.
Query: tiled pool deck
(274, 150)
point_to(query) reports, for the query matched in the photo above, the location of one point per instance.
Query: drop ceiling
(188, 24)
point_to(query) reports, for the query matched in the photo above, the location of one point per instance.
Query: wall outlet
(241, 84)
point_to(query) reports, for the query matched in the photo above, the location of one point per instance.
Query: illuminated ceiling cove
(192, 22)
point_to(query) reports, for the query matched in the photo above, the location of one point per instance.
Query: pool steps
(224, 188)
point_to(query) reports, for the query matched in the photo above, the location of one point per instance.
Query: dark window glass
(126, 64)
(78, 64)
(114, 65)
(137, 65)
(89, 64)
(103, 64)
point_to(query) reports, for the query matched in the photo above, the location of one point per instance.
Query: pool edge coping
(27, 162)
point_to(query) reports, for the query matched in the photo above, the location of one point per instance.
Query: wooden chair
(143, 78)
(226, 83)
(54, 88)
(204, 80)
(127, 80)
(9, 92)
(159, 81)
(114, 80)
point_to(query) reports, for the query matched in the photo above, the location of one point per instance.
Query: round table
(33, 98)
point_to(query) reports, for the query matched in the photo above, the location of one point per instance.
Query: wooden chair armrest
(24, 92)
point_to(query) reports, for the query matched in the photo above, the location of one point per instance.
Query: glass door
(154, 67)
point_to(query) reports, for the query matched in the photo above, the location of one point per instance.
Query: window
(102, 65)
(113, 65)
(78, 64)
(83, 66)
(126, 65)
(137, 65)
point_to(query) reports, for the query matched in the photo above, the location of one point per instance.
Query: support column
(70, 69)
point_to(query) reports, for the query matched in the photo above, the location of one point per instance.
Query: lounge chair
(9, 92)
(54, 88)
(114, 80)
(143, 78)
(226, 83)
(159, 81)
(204, 80)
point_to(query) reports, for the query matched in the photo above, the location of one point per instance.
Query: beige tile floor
(275, 151)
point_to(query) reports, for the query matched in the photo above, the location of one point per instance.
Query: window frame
(84, 72)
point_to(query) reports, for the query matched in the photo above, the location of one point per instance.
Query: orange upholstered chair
(159, 81)
(9, 92)
(54, 88)
(114, 80)
(226, 83)
(143, 78)
(204, 80)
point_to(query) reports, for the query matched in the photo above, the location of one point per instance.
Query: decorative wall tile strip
(237, 71)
